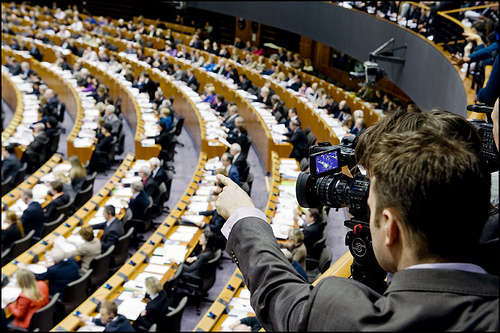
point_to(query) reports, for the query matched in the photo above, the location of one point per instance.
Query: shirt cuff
(239, 214)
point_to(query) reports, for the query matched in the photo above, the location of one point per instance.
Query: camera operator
(421, 229)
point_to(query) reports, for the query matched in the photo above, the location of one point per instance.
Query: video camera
(326, 185)
(372, 73)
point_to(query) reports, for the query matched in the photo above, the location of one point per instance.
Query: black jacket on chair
(10, 167)
(155, 310)
(299, 141)
(33, 218)
(111, 233)
(138, 205)
(312, 233)
(50, 209)
(160, 176)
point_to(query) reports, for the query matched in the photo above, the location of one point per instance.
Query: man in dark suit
(59, 198)
(434, 283)
(113, 228)
(229, 121)
(158, 174)
(26, 71)
(220, 105)
(240, 161)
(33, 217)
(104, 145)
(13, 66)
(313, 230)
(10, 163)
(62, 272)
(299, 141)
(110, 319)
(292, 114)
(139, 201)
(232, 170)
(150, 186)
(179, 74)
(191, 81)
(332, 107)
(35, 53)
(147, 85)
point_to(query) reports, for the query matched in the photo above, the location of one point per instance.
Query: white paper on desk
(280, 231)
(36, 269)
(9, 294)
(131, 308)
(97, 220)
(123, 192)
(65, 246)
(65, 167)
(144, 275)
(133, 285)
(90, 327)
(157, 260)
(199, 198)
(130, 180)
(148, 142)
(228, 322)
(186, 229)
(181, 237)
(82, 142)
(192, 218)
(198, 206)
(237, 312)
(117, 202)
(19, 206)
(40, 191)
(223, 141)
(48, 178)
(175, 253)
(241, 303)
(245, 293)
(157, 269)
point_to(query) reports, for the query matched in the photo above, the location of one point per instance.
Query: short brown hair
(87, 233)
(57, 186)
(110, 307)
(316, 214)
(426, 177)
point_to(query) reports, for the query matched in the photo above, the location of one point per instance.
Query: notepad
(131, 308)
(157, 269)
(175, 253)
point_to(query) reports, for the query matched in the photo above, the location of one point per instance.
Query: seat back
(49, 226)
(311, 139)
(172, 320)
(318, 247)
(83, 196)
(54, 141)
(120, 253)
(21, 173)
(210, 272)
(22, 244)
(100, 265)
(325, 259)
(7, 185)
(89, 179)
(65, 209)
(43, 319)
(5, 256)
(170, 285)
(76, 292)
(178, 126)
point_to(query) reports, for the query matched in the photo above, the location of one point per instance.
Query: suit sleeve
(111, 239)
(280, 297)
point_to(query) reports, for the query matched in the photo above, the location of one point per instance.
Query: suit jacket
(234, 175)
(111, 233)
(118, 324)
(39, 143)
(299, 142)
(240, 162)
(138, 205)
(104, 144)
(151, 188)
(198, 266)
(33, 218)
(192, 83)
(88, 251)
(312, 233)
(221, 108)
(160, 176)
(180, 75)
(10, 235)
(50, 209)
(416, 299)
(229, 122)
(155, 310)
(10, 167)
(59, 275)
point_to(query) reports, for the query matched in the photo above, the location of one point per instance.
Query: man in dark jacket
(139, 201)
(313, 230)
(62, 272)
(10, 163)
(191, 81)
(110, 319)
(298, 139)
(113, 228)
(33, 217)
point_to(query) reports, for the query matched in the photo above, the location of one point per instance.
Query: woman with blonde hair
(157, 306)
(14, 232)
(34, 295)
(77, 173)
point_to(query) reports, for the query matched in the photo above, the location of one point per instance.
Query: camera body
(372, 73)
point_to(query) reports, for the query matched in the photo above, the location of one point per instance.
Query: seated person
(14, 231)
(110, 319)
(113, 228)
(247, 324)
(292, 114)
(195, 265)
(60, 176)
(220, 105)
(299, 141)
(296, 246)
(240, 161)
(167, 118)
(112, 119)
(59, 198)
(158, 305)
(104, 145)
(33, 217)
(191, 81)
(343, 110)
(313, 230)
(139, 201)
(36, 149)
(232, 170)
(77, 173)
(10, 164)
(298, 267)
(90, 249)
(158, 173)
(239, 135)
(60, 272)
(34, 296)
(359, 127)
(229, 121)
(151, 188)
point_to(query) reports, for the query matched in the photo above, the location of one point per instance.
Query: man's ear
(391, 227)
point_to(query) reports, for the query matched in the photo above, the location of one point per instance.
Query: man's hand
(232, 198)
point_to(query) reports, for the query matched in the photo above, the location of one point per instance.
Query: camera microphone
(479, 108)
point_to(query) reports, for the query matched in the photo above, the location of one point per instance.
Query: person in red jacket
(34, 295)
